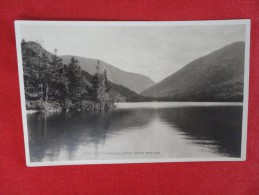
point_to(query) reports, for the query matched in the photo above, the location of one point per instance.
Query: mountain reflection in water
(132, 131)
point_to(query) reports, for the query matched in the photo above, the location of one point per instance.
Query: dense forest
(51, 84)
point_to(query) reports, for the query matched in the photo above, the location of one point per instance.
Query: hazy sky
(156, 52)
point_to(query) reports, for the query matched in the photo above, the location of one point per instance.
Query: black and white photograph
(133, 92)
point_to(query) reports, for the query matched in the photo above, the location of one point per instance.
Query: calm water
(138, 131)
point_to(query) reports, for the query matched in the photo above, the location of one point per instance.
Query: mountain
(121, 93)
(34, 48)
(133, 81)
(218, 76)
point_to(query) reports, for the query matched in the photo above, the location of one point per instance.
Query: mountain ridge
(134, 81)
(217, 76)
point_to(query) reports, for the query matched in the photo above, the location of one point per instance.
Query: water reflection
(51, 133)
(209, 126)
(174, 132)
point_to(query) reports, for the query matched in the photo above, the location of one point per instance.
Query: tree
(28, 70)
(58, 81)
(35, 67)
(48, 81)
(107, 84)
(45, 75)
(100, 88)
(75, 83)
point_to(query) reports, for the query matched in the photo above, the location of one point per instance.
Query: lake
(149, 130)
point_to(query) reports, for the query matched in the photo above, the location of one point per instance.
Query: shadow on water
(56, 136)
(211, 126)
(53, 133)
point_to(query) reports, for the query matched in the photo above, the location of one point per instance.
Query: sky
(154, 51)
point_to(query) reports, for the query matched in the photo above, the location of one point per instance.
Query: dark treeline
(50, 84)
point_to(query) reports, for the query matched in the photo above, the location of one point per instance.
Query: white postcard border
(19, 23)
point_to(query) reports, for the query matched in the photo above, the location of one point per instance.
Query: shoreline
(159, 104)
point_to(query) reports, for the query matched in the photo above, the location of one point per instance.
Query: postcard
(133, 92)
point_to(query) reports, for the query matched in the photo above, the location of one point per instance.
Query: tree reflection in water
(52, 135)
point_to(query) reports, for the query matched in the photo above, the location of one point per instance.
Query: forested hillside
(133, 81)
(51, 84)
(218, 76)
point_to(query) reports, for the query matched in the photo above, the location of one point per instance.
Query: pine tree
(100, 88)
(76, 84)
(95, 83)
(48, 81)
(35, 67)
(45, 75)
(107, 84)
(30, 86)
(58, 81)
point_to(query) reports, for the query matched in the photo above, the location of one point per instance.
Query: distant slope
(122, 94)
(215, 77)
(133, 81)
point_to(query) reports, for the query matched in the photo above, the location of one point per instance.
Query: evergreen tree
(75, 86)
(28, 73)
(45, 76)
(95, 84)
(35, 67)
(58, 81)
(107, 84)
(86, 88)
(49, 82)
(100, 88)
